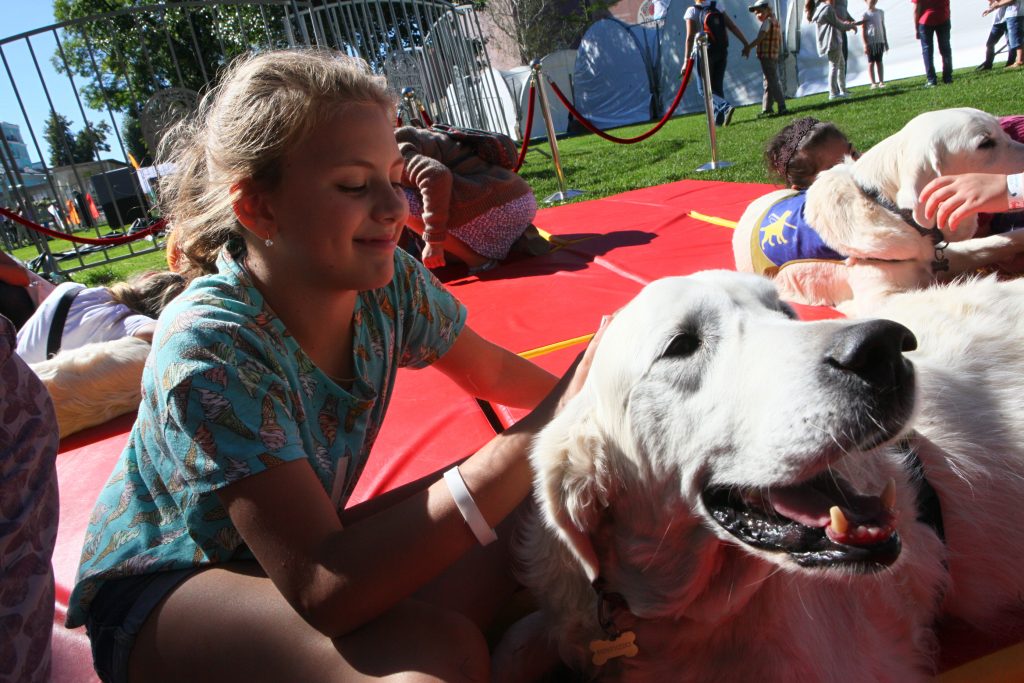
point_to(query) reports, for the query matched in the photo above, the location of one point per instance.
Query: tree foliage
(57, 133)
(67, 148)
(538, 27)
(122, 58)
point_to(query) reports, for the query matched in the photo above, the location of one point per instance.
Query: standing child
(769, 44)
(876, 43)
(1007, 14)
(705, 17)
(830, 30)
(221, 547)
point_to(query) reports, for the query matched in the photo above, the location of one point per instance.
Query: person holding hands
(705, 17)
(829, 33)
(768, 44)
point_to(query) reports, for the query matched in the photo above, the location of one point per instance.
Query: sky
(20, 16)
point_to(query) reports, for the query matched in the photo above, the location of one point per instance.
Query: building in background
(14, 154)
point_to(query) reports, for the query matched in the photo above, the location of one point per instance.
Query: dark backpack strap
(60, 315)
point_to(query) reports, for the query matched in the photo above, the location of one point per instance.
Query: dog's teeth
(840, 525)
(888, 495)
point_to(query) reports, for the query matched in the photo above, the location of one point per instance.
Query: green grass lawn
(601, 168)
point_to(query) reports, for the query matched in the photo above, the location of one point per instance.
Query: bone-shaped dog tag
(623, 646)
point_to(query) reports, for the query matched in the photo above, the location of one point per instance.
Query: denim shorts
(117, 614)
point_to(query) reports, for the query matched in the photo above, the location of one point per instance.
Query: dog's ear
(568, 457)
(914, 176)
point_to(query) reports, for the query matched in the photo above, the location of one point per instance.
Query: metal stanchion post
(545, 111)
(709, 109)
(409, 107)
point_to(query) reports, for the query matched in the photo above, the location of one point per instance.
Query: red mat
(612, 247)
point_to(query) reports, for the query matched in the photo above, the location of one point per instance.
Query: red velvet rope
(529, 129)
(104, 241)
(628, 141)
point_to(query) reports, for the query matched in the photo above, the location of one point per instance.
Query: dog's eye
(683, 345)
(987, 143)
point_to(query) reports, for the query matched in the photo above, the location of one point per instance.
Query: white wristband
(467, 506)
(1015, 190)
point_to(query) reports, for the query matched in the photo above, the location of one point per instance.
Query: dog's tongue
(829, 502)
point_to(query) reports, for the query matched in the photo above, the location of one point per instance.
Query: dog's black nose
(872, 350)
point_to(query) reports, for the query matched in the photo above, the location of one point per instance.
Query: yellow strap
(544, 350)
(558, 240)
(714, 220)
(550, 348)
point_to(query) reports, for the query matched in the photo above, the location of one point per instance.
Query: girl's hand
(433, 255)
(950, 199)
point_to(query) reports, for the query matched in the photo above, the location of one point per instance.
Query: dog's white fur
(619, 475)
(94, 383)
(883, 253)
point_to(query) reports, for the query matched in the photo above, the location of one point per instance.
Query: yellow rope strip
(550, 348)
(558, 240)
(714, 220)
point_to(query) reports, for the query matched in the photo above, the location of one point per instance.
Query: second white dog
(868, 235)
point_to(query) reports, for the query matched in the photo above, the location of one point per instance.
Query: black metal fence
(94, 95)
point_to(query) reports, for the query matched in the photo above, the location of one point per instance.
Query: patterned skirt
(492, 233)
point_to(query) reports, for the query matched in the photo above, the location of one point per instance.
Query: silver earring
(269, 242)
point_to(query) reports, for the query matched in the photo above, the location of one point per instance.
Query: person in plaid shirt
(769, 44)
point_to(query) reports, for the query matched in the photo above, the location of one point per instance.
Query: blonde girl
(221, 547)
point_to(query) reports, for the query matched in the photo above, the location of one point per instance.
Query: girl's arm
(340, 578)
(490, 372)
(691, 34)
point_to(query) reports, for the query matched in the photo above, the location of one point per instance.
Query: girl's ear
(252, 210)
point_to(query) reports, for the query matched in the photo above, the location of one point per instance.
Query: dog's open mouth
(819, 523)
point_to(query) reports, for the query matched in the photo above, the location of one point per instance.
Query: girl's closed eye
(352, 188)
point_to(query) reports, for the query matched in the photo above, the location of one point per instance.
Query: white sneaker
(874, 85)
(844, 94)
(881, 85)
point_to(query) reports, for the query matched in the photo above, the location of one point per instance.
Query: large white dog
(95, 382)
(729, 498)
(869, 235)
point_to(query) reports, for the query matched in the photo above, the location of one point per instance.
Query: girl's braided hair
(789, 155)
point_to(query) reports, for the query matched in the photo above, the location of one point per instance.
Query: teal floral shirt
(228, 393)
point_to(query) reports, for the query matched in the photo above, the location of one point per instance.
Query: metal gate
(125, 76)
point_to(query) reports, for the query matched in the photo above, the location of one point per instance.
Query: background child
(221, 547)
(804, 148)
(829, 33)
(876, 42)
(461, 203)
(769, 44)
(1006, 18)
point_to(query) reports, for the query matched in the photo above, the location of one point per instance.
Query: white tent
(623, 74)
(494, 105)
(612, 81)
